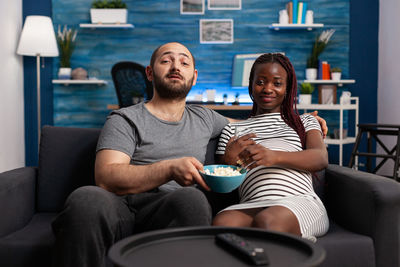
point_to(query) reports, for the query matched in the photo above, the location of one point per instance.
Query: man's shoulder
(128, 112)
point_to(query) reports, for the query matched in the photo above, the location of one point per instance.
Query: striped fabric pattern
(273, 133)
(275, 185)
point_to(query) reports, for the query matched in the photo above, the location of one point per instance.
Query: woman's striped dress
(278, 186)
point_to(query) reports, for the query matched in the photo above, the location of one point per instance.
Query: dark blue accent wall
(37, 7)
(364, 29)
(354, 48)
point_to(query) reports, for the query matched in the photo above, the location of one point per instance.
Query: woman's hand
(257, 155)
(235, 146)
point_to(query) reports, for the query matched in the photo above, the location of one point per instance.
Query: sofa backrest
(66, 162)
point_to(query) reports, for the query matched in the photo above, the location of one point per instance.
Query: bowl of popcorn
(223, 178)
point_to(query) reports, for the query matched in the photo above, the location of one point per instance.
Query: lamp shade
(38, 38)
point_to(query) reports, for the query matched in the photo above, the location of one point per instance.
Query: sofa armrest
(17, 198)
(367, 204)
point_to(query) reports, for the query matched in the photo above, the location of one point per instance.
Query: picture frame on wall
(216, 31)
(327, 94)
(192, 7)
(224, 4)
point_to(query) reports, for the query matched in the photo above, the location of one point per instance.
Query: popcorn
(223, 171)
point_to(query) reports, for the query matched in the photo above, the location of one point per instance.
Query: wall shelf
(99, 25)
(309, 27)
(68, 82)
(341, 108)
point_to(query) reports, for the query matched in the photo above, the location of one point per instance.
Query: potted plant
(336, 74)
(319, 46)
(66, 43)
(306, 89)
(108, 12)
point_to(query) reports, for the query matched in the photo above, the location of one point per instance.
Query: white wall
(389, 70)
(12, 143)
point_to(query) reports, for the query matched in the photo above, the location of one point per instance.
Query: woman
(282, 152)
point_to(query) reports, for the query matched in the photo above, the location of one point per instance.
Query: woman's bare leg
(277, 218)
(235, 218)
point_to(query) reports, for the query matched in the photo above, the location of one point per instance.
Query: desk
(214, 107)
(195, 247)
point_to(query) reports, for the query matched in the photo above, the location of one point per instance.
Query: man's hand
(185, 171)
(322, 123)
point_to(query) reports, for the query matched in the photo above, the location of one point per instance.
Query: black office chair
(131, 84)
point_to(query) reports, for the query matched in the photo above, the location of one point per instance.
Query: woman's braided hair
(289, 111)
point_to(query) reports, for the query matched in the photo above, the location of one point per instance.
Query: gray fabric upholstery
(30, 246)
(367, 204)
(363, 207)
(17, 198)
(66, 162)
(346, 249)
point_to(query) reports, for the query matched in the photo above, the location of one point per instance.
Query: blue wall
(157, 22)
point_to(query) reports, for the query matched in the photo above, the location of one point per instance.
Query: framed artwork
(224, 4)
(327, 94)
(216, 31)
(192, 7)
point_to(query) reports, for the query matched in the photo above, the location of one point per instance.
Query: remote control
(236, 244)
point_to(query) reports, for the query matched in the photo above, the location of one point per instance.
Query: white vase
(304, 99)
(108, 15)
(336, 76)
(309, 17)
(311, 74)
(283, 17)
(64, 73)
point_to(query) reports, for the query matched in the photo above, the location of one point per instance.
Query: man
(148, 156)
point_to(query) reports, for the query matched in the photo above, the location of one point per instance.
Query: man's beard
(172, 90)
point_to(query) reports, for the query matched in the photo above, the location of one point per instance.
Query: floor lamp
(39, 40)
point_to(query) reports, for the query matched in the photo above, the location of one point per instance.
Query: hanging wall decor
(224, 4)
(192, 7)
(216, 31)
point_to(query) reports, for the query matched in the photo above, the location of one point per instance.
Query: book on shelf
(299, 12)
(326, 71)
(319, 74)
(303, 15)
(295, 10)
(289, 8)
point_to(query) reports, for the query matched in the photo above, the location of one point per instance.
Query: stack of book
(324, 70)
(297, 12)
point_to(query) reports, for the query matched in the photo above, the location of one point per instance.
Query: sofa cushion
(17, 198)
(30, 246)
(346, 249)
(66, 162)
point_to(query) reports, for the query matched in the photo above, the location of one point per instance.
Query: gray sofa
(363, 208)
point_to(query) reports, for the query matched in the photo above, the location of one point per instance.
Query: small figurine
(225, 98)
(236, 99)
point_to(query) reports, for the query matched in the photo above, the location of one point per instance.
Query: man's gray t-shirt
(148, 139)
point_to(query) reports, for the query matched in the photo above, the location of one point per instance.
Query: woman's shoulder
(310, 122)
